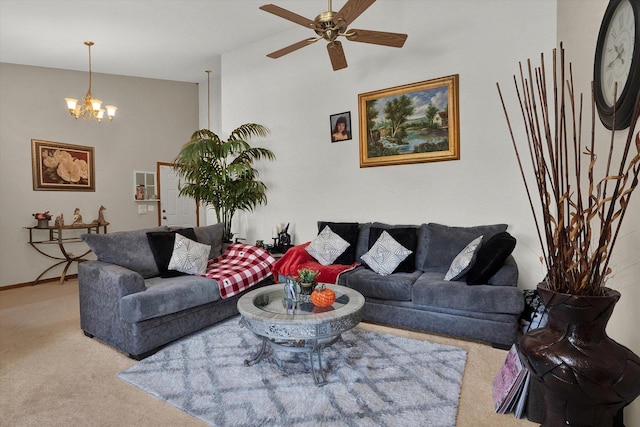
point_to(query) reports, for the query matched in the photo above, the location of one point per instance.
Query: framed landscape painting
(412, 123)
(59, 167)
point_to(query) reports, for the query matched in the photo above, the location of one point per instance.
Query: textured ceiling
(164, 39)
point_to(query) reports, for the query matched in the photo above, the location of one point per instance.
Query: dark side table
(55, 235)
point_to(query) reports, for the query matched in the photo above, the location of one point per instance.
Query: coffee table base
(298, 327)
(312, 347)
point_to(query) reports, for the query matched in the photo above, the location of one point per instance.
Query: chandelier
(90, 108)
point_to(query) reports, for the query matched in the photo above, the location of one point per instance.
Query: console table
(55, 235)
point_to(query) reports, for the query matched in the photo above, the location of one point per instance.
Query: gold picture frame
(62, 167)
(413, 123)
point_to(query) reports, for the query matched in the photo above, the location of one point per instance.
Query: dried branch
(578, 218)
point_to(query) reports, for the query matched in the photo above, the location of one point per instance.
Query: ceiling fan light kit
(90, 108)
(330, 25)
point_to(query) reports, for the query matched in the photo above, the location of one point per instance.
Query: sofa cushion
(349, 232)
(395, 287)
(386, 254)
(405, 235)
(363, 240)
(432, 290)
(507, 275)
(444, 243)
(211, 235)
(167, 296)
(189, 256)
(128, 249)
(161, 244)
(491, 257)
(463, 262)
(327, 247)
(421, 245)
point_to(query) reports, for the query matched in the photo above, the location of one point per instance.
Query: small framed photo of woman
(340, 126)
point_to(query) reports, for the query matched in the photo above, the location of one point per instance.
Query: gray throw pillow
(444, 243)
(129, 249)
(211, 235)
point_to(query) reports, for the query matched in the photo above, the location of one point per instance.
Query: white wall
(483, 42)
(154, 119)
(314, 179)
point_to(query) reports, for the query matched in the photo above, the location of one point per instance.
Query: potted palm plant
(585, 376)
(220, 174)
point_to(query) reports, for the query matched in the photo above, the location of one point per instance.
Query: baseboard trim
(49, 280)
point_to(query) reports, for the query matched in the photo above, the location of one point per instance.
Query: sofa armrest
(507, 275)
(112, 279)
(101, 286)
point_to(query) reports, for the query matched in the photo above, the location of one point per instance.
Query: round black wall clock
(617, 59)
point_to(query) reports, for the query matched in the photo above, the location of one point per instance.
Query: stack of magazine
(510, 385)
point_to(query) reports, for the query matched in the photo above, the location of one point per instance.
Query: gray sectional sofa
(125, 302)
(486, 310)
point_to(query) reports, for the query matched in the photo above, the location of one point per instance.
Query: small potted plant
(307, 279)
(43, 219)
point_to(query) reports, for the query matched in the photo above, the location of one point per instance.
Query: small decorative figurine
(100, 220)
(77, 218)
(140, 192)
(59, 222)
(291, 290)
(284, 237)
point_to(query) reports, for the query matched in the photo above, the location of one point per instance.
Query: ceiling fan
(330, 25)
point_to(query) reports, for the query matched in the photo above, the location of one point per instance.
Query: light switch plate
(142, 209)
(151, 207)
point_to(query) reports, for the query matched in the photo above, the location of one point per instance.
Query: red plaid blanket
(240, 267)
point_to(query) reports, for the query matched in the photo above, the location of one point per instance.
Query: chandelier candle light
(90, 108)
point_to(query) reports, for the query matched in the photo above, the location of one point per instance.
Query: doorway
(175, 210)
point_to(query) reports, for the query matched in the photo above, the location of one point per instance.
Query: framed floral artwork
(413, 123)
(62, 167)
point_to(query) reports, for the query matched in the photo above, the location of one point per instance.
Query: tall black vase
(585, 376)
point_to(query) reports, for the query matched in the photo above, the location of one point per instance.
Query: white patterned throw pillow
(327, 246)
(385, 255)
(189, 256)
(464, 260)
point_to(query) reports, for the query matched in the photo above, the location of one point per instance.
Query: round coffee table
(299, 327)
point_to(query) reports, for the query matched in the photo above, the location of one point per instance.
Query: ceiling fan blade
(288, 15)
(336, 54)
(352, 9)
(377, 37)
(293, 47)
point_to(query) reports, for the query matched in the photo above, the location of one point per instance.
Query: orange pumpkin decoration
(323, 297)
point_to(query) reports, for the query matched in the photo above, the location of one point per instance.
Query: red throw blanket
(297, 257)
(240, 267)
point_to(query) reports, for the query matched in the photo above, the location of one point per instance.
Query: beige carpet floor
(52, 375)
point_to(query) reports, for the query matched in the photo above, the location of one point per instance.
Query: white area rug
(374, 380)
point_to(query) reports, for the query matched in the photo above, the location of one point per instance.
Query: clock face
(616, 68)
(617, 52)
